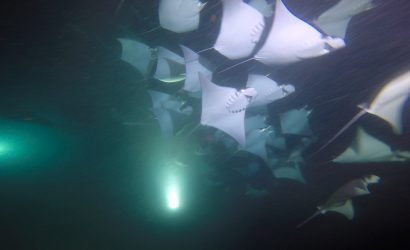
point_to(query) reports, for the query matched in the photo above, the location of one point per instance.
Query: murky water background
(80, 179)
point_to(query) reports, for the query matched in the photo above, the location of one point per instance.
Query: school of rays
(213, 116)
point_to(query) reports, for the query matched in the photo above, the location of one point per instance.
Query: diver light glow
(173, 197)
(4, 148)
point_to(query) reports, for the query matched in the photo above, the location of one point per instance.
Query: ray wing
(389, 103)
(296, 122)
(241, 28)
(366, 148)
(289, 172)
(192, 67)
(346, 209)
(136, 54)
(268, 90)
(170, 66)
(163, 106)
(179, 15)
(291, 39)
(335, 20)
(223, 108)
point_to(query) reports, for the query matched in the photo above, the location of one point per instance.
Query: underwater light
(173, 197)
(24, 143)
(4, 148)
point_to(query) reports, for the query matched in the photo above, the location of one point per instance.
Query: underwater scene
(205, 124)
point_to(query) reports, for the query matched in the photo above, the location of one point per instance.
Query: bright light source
(173, 197)
(4, 148)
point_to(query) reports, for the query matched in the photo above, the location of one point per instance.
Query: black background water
(61, 67)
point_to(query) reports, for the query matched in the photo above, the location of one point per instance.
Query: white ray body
(335, 20)
(262, 6)
(296, 122)
(366, 148)
(389, 102)
(180, 15)
(136, 54)
(170, 66)
(241, 28)
(291, 39)
(192, 67)
(224, 108)
(268, 90)
(341, 200)
(162, 104)
(345, 208)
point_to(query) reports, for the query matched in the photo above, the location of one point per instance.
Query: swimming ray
(256, 142)
(162, 106)
(388, 105)
(366, 148)
(192, 67)
(390, 101)
(241, 29)
(170, 66)
(268, 90)
(340, 201)
(291, 39)
(335, 20)
(180, 15)
(137, 54)
(290, 171)
(224, 108)
(262, 6)
(296, 122)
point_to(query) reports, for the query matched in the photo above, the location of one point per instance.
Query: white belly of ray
(162, 104)
(179, 15)
(136, 54)
(366, 148)
(291, 39)
(161, 113)
(223, 108)
(268, 90)
(241, 28)
(192, 67)
(390, 101)
(335, 20)
(296, 122)
(170, 66)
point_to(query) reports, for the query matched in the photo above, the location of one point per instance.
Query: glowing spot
(4, 149)
(173, 197)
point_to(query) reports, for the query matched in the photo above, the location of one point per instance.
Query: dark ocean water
(80, 179)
